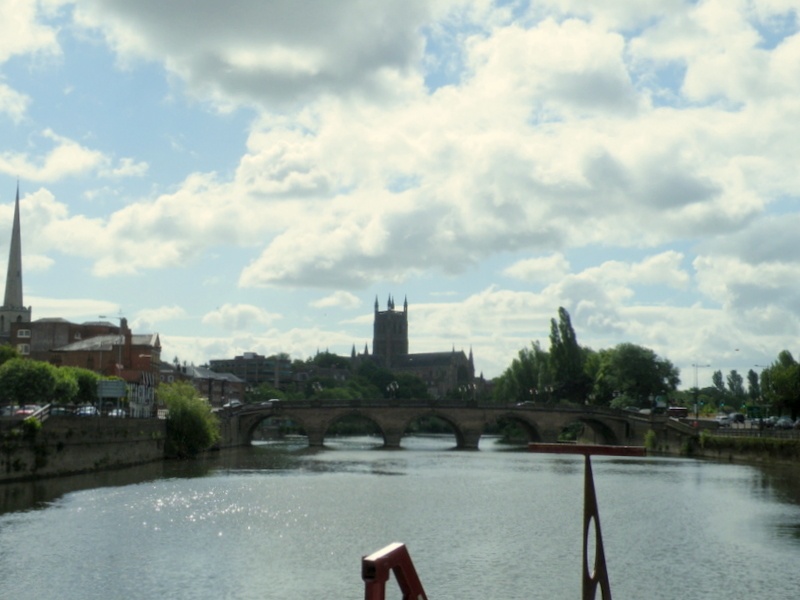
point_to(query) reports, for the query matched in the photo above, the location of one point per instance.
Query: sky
(251, 175)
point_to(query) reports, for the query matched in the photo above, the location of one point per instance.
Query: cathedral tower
(390, 333)
(13, 311)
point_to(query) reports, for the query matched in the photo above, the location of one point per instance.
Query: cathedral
(442, 372)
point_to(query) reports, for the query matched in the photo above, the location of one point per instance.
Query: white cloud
(73, 309)
(128, 167)
(66, 158)
(22, 33)
(339, 299)
(241, 317)
(13, 103)
(149, 319)
(266, 53)
(503, 160)
(544, 268)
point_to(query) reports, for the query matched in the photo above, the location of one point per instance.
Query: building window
(24, 349)
(77, 335)
(23, 333)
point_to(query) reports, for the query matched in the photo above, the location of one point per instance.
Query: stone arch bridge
(469, 421)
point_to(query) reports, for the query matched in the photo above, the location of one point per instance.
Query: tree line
(629, 375)
(32, 382)
(625, 375)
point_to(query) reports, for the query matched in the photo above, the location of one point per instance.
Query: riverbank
(746, 447)
(71, 445)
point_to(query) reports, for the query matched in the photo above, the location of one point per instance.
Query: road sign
(111, 388)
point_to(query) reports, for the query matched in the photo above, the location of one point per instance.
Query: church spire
(13, 310)
(13, 298)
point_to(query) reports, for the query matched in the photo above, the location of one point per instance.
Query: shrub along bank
(749, 448)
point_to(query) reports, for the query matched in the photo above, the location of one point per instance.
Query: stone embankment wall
(68, 445)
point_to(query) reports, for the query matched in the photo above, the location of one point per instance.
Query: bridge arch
(526, 422)
(462, 437)
(354, 413)
(602, 432)
(251, 422)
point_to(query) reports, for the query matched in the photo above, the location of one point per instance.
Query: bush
(191, 426)
(651, 440)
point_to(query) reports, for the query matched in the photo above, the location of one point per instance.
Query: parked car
(87, 411)
(723, 420)
(27, 410)
(233, 404)
(736, 417)
(784, 423)
(8, 411)
(117, 413)
(60, 411)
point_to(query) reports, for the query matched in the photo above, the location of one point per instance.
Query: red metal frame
(394, 558)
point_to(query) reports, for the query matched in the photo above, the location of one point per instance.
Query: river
(280, 520)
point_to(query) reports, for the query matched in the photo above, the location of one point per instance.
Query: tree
(527, 378)
(66, 387)
(24, 381)
(753, 386)
(7, 353)
(634, 373)
(781, 383)
(716, 379)
(566, 359)
(191, 426)
(736, 386)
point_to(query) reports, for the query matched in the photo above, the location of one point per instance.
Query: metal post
(597, 574)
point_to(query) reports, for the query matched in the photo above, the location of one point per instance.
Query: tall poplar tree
(566, 359)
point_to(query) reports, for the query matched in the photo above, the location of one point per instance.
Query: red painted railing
(376, 568)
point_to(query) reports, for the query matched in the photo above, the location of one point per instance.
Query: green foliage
(736, 385)
(377, 379)
(777, 448)
(753, 386)
(634, 372)
(780, 384)
(66, 387)
(527, 378)
(191, 426)
(87, 384)
(24, 381)
(31, 426)
(7, 353)
(330, 361)
(651, 440)
(263, 393)
(571, 432)
(567, 360)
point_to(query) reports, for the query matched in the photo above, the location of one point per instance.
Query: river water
(283, 521)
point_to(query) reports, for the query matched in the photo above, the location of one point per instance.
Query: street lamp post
(697, 392)
(120, 341)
